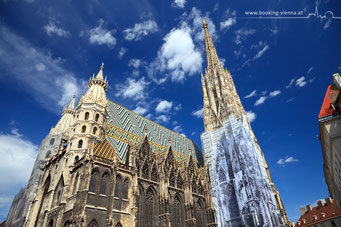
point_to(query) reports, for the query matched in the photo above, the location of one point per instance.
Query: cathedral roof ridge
(150, 120)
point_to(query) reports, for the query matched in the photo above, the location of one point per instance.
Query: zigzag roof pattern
(124, 128)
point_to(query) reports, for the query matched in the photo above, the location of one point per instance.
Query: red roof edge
(326, 109)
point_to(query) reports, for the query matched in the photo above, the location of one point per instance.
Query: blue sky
(153, 53)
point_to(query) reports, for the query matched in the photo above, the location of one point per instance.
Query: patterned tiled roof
(125, 127)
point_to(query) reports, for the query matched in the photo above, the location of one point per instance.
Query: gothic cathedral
(104, 165)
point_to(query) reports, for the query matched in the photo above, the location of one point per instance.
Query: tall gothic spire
(211, 53)
(219, 93)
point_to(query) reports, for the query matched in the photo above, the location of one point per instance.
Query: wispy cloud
(230, 21)
(53, 28)
(43, 73)
(198, 113)
(301, 82)
(140, 30)
(101, 35)
(265, 97)
(287, 159)
(241, 35)
(291, 83)
(252, 94)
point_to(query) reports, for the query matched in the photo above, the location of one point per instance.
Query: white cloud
(164, 106)
(261, 52)
(179, 130)
(291, 99)
(275, 93)
(135, 63)
(179, 3)
(312, 80)
(261, 48)
(230, 21)
(140, 110)
(198, 113)
(132, 88)
(162, 119)
(251, 115)
(261, 100)
(40, 67)
(310, 69)
(52, 28)
(241, 35)
(291, 83)
(43, 73)
(178, 107)
(122, 52)
(140, 30)
(100, 35)
(17, 155)
(178, 56)
(253, 93)
(301, 82)
(286, 160)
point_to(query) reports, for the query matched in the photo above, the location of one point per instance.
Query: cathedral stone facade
(103, 165)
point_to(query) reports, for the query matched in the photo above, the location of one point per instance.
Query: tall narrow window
(149, 215)
(117, 186)
(179, 182)
(104, 184)
(76, 159)
(145, 171)
(48, 153)
(125, 188)
(75, 184)
(83, 129)
(97, 117)
(172, 178)
(52, 141)
(86, 116)
(176, 212)
(80, 143)
(93, 181)
(94, 130)
(155, 175)
(50, 223)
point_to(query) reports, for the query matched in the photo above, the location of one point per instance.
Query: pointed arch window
(80, 144)
(118, 186)
(93, 223)
(176, 212)
(104, 183)
(118, 224)
(93, 180)
(149, 212)
(172, 178)
(52, 141)
(145, 171)
(94, 130)
(96, 117)
(125, 188)
(76, 159)
(194, 186)
(200, 214)
(50, 223)
(86, 116)
(83, 129)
